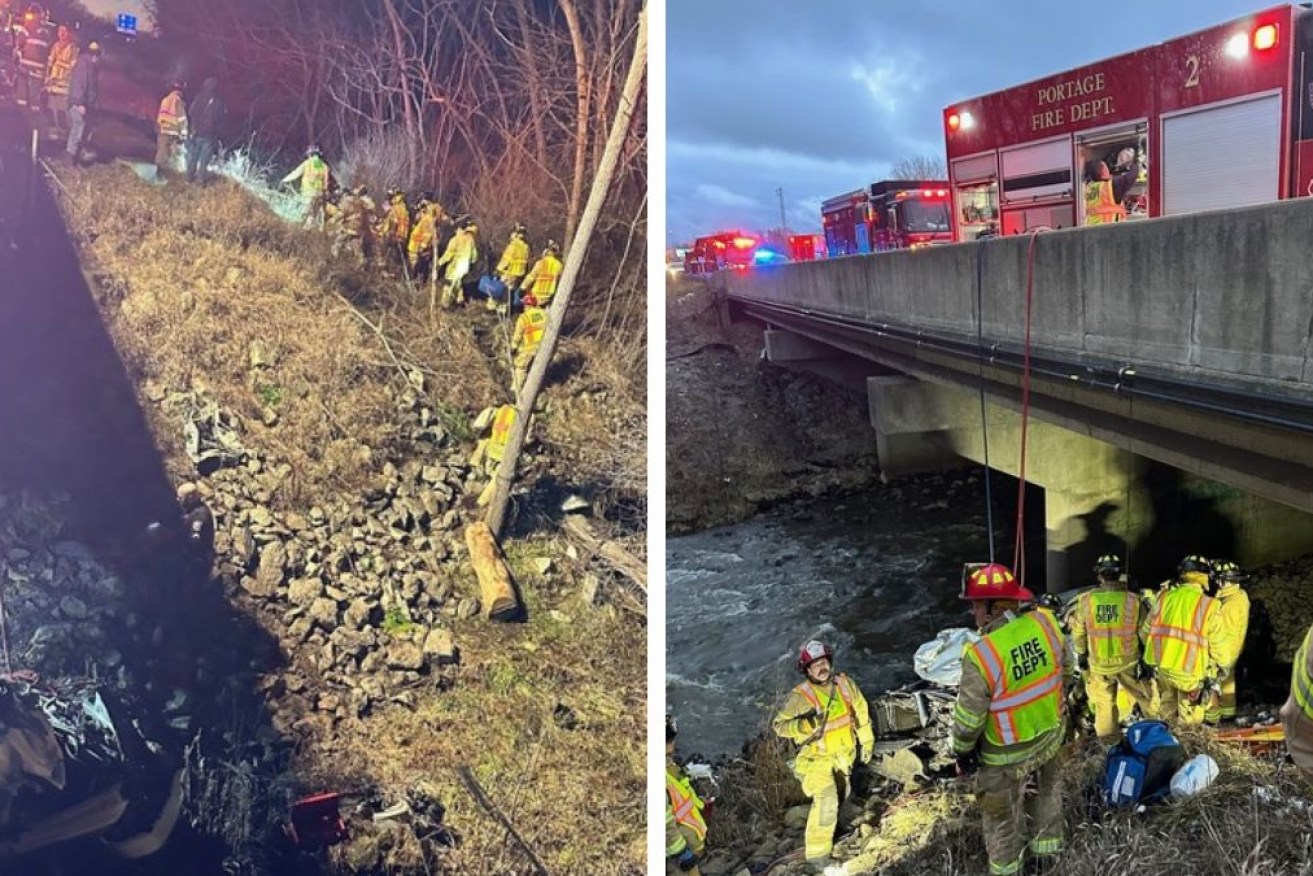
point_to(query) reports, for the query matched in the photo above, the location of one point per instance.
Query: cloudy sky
(822, 96)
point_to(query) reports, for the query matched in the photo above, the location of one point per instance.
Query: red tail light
(954, 121)
(1265, 37)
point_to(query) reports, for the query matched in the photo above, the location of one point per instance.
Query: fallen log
(581, 531)
(499, 600)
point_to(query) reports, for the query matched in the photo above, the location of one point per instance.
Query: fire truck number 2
(1192, 78)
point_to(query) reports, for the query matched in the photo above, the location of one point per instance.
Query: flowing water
(873, 574)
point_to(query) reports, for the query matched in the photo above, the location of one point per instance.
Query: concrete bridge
(1170, 369)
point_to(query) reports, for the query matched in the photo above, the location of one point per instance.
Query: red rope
(1018, 554)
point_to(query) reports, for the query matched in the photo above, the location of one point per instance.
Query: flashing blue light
(763, 255)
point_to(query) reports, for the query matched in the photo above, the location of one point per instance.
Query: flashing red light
(744, 243)
(720, 244)
(954, 120)
(942, 193)
(927, 194)
(1265, 37)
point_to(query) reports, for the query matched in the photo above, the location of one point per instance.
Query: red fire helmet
(993, 581)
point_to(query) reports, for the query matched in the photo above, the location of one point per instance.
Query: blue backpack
(1139, 769)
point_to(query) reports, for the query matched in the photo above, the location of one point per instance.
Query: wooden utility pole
(574, 260)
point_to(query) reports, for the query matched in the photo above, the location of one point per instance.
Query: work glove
(967, 763)
(809, 723)
(686, 860)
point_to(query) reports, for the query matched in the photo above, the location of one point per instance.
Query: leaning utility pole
(574, 260)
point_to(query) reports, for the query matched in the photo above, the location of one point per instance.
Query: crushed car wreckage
(74, 764)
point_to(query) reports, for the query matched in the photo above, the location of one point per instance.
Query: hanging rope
(1019, 550)
(980, 366)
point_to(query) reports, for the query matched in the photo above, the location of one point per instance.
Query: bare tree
(919, 167)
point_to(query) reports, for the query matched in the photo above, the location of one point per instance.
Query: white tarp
(939, 661)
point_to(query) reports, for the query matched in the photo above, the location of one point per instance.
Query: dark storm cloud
(822, 97)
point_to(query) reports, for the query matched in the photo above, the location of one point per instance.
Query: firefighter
(1233, 609)
(1184, 641)
(1297, 713)
(205, 115)
(394, 227)
(1008, 723)
(170, 127)
(1104, 192)
(315, 176)
(1105, 628)
(32, 46)
(686, 823)
(530, 326)
(543, 276)
(461, 254)
(59, 69)
(512, 265)
(424, 235)
(827, 717)
(83, 95)
(357, 224)
(488, 453)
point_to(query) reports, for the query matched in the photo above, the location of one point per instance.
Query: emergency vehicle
(1217, 119)
(721, 251)
(887, 215)
(806, 247)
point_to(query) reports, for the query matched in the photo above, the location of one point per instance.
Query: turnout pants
(1223, 706)
(1175, 705)
(1016, 806)
(1102, 692)
(826, 783)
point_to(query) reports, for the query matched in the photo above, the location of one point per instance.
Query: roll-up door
(978, 169)
(1226, 156)
(1040, 171)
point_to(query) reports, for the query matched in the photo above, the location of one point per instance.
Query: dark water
(875, 575)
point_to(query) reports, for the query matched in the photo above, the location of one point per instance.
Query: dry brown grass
(189, 280)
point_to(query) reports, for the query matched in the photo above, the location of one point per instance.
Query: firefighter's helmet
(552, 247)
(1108, 564)
(813, 651)
(1194, 563)
(93, 49)
(313, 151)
(993, 581)
(1227, 571)
(530, 300)
(519, 229)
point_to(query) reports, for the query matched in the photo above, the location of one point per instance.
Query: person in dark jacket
(205, 115)
(83, 94)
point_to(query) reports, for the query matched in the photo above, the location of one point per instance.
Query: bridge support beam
(784, 347)
(912, 421)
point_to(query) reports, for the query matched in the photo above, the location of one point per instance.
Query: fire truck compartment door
(1227, 156)
(1039, 171)
(974, 170)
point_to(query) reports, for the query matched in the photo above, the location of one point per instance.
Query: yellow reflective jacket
(514, 259)
(423, 234)
(846, 726)
(59, 69)
(530, 326)
(686, 827)
(396, 222)
(172, 117)
(542, 279)
(1100, 208)
(461, 253)
(313, 174)
(1009, 702)
(1233, 613)
(501, 432)
(1185, 634)
(1106, 626)
(1297, 713)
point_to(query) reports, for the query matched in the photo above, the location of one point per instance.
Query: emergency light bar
(1263, 38)
(744, 243)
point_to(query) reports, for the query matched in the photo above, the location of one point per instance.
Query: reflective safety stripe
(501, 432)
(1176, 646)
(535, 326)
(1113, 646)
(1005, 869)
(545, 275)
(1100, 207)
(1301, 682)
(686, 806)
(1020, 712)
(834, 722)
(1051, 846)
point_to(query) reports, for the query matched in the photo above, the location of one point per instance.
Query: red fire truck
(1217, 119)
(716, 252)
(892, 214)
(806, 247)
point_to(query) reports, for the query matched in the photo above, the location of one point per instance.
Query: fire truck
(806, 247)
(887, 215)
(721, 251)
(1217, 119)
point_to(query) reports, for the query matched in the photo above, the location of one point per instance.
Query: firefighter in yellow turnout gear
(315, 175)
(1233, 608)
(686, 826)
(170, 126)
(544, 275)
(1184, 641)
(1105, 629)
(512, 265)
(530, 326)
(394, 227)
(827, 716)
(1297, 713)
(489, 452)
(1008, 722)
(461, 254)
